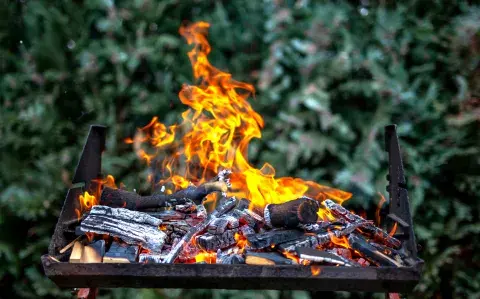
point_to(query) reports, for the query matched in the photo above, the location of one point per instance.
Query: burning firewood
(209, 241)
(267, 239)
(132, 227)
(118, 198)
(371, 253)
(321, 256)
(227, 206)
(292, 213)
(266, 258)
(377, 233)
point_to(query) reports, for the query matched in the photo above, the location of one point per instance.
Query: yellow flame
(215, 133)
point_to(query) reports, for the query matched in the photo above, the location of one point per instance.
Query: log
(361, 245)
(273, 237)
(168, 215)
(150, 258)
(320, 256)
(226, 207)
(118, 198)
(77, 251)
(291, 213)
(132, 227)
(266, 258)
(93, 253)
(305, 241)
(376, 233)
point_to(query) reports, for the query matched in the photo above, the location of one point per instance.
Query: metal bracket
(399, 209)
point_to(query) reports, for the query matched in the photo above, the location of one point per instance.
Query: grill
(240, 276)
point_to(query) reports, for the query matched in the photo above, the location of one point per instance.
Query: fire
(394, 229)
(215, 133)
(87, 200)
(379, 208)
(316, 270)
(205, 256)
(339, 241)
(241, 242)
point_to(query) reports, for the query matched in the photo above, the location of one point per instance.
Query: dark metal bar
(399, 209)
(238, 276)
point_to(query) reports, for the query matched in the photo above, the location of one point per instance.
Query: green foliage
(329, 76)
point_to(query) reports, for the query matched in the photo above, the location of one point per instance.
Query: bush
(329, 76)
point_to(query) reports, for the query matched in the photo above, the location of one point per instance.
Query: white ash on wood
(132, 227)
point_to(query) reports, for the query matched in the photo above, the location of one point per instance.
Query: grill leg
(87, 293)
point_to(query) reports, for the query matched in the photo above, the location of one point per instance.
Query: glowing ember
(316, 270)
(208, 257)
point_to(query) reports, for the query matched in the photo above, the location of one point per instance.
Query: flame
(292, 256)
(215, 133)
(379, 208)
(88, 200)
(316, 270)
(241, 242)
(206, 256)
(339, 241)
(394, 229)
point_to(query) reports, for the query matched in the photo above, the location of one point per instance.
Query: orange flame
(316, 270)
(339, 241)
(241, 242)
(87, 200)
(379, 208)
(394, 229)
(215, 133)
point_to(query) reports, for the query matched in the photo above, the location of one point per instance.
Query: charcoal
(150, 258)
(168, 215)
(231, 259)
(305, 241)
(263, 240)
(218, 226)
(209, 241)
(246, 230)
(321, 256)
(377, 233)
(361, 245)
(120, 253)
(226, 207)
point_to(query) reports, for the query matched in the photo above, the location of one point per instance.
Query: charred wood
(321, 256)
(370, 252)
(377, 233)
(292, 213)
(226, 207)
(266, 239)
(118, 198)
(134, 228)
(209, 241)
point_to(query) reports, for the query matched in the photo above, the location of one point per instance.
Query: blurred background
(329, 76)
